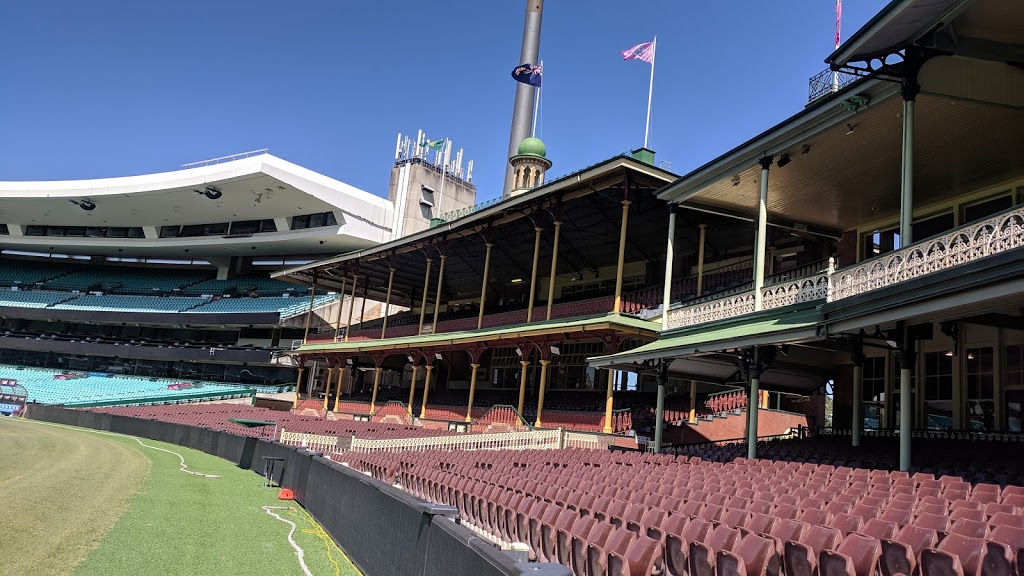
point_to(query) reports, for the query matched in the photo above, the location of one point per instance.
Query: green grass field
(85, 503)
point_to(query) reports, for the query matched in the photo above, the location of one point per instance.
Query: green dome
(533, 147)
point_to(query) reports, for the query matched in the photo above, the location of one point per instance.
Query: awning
(898, 25)
(607, 322)
(778, 326)
(252, 423)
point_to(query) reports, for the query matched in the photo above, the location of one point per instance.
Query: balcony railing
(1000, 233)
(826, 82)
(775, 295)
(994, 235)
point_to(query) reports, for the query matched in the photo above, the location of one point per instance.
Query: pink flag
(643, 52)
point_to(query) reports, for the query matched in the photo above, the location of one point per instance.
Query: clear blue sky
(104, 88)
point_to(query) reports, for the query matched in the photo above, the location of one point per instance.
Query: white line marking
(298, 550)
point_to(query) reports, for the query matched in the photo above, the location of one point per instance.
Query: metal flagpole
(536, 104)
(839, 19)
(650, 90)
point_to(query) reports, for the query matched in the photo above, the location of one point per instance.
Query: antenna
(469, 172)
(419, 144)
(458, 164)
(398, 147)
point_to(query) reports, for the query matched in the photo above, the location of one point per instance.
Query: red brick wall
(847, 249)
(769, 422)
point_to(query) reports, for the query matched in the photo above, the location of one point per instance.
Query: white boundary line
(182, 468)
(299, 552)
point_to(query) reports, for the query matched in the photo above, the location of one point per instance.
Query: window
(4, 230)
(873, 383)
(938, 390)
(980, 386)
(881, 241)
(35, 230)
(988, 207)
(426, 196)
(169, 231)
(928, 227)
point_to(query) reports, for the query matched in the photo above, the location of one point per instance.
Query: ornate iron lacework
(994, 235)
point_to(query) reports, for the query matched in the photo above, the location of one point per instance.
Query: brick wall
(769, 422)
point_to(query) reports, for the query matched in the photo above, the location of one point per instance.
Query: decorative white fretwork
(994, 235)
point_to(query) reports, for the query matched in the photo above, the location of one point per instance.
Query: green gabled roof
(777, 326)
(616, 322)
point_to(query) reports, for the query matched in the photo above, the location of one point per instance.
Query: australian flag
(528, 74)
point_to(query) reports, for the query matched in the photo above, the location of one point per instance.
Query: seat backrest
(864, 551)
(696, 530)
(878, 528)
(788, 530)
(1004, 519)
(933, 521)
(846, 523)
(970, 528)
(820, 538)
(970, 551)
(760, 523)
(757, 554)
(812, 516)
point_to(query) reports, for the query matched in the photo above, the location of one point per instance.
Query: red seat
(899, 555)
(703, 555)
(752, 556)
(642, 558)
(801, 558)
(857, 555)
(677, 545)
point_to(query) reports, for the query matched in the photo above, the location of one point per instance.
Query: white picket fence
(314, 442)
(529, 440)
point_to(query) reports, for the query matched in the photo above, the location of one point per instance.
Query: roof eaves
(797, 129)
(468, 219)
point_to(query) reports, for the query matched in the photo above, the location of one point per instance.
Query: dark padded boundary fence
(383, 530)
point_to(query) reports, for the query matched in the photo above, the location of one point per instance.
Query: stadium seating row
(76, 388)
(65, 276)
(631, 513)
(285, 306)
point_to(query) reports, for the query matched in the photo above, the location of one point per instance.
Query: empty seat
(753, 555)
(899, 555)
(801, 558)
(703, 555)
(958, 554)
(857, 555)
(642, 558)
(677, 545)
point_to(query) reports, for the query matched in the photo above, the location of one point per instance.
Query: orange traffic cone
(286, 494)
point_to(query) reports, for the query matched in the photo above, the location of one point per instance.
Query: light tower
(522, 110)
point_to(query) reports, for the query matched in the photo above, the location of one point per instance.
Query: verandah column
(540, 394)
(533, 273)
(412, 388)
(352, 306)
(659, 411)
(327, 387)
(622, 256)
(670, 254)
(437, 294)
(752, 406)
(762, 232)
(700, 258)
(483, 287)
(376, 385)
(309, 313)
(426, 391)
(554, 268)
(341, 304)
(522, 385)
(858, 397)
(472, 390)
(426, 290)
(298, 384)
(905, 357)
(609, 403)
(387, 302)
(340, 383)
(909, 90)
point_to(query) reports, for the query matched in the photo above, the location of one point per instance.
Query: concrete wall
(405, 190)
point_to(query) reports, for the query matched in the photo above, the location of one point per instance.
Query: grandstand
(100, 389)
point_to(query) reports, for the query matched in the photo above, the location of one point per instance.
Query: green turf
(60, 493)
(183, 524)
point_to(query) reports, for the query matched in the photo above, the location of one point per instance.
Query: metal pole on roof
(650, 90)
(762, 232)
